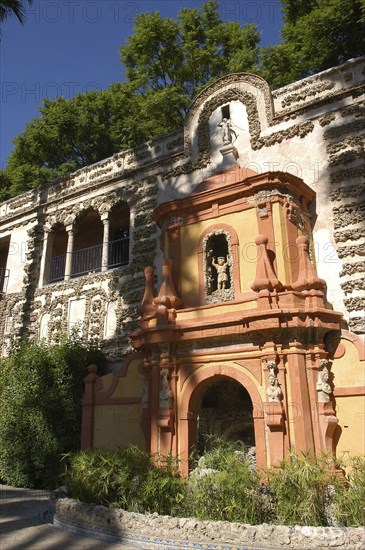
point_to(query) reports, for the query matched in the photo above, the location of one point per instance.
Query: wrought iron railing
(118, 253)
(57, 266)
(4, 277)
(86, 260)
(89, 259)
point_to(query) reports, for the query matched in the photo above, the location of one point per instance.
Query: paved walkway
(23, 525)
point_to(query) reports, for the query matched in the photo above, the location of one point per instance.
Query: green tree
(317, 35)
(186, 53)
(40, 409)
(13, 7)
(167, 62)
(73, 133)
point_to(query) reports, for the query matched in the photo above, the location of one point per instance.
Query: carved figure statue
(324, 389)
(221, 266)
(227, 131)
(166, 394)
(273, 391)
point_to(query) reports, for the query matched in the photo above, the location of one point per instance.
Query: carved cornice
(198, 202)
(297, 316)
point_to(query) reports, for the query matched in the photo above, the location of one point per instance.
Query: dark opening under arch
(224, 411)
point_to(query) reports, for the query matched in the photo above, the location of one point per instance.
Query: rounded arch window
(119, 232)
(88, 243)
(56, 254)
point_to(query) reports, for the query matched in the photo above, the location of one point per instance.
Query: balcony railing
(57, 266)
(86, 260)
(118, 253)
(89, 259)
(4, 277)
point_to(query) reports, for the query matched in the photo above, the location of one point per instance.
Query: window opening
(226, 112)
(118, 253)
(57, 262)
(88, 245)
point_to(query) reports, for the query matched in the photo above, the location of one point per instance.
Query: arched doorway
(224, 411)
(191, 398)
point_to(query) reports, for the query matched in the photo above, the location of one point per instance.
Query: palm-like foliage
(13, 7)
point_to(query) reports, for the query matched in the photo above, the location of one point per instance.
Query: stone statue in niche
(324, 388)
(227, 131)
(166, 394)
(273, 391)
(218, 267)
(221, 266)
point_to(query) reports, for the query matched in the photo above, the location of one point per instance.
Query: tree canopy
(13, 7)
(187, 52)
(167, 62)
(317, 35)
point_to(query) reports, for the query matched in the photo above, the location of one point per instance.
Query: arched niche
(218, 279)
(250, 90)
(43, 327)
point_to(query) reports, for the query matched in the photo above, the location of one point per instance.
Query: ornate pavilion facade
(219, 268)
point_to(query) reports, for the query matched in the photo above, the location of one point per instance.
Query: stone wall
(170, 532)
(123, 286)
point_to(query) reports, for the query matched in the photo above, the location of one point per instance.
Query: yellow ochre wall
(118, 424)
(349, 372)
(351, 423)
(245, 225)
(129, 385)
(281, 243)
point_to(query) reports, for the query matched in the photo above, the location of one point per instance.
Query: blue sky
(71, 46)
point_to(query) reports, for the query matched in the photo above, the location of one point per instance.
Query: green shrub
(350, 499)
(125, 478)
(230, 493)
(300, 488)
(40, 410)
(163, 491)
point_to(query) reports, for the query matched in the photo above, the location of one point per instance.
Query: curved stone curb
(144, 541)
(161, 532)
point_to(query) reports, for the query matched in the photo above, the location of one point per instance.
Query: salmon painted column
(299, 406)
(165, 415)
(154, 385)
